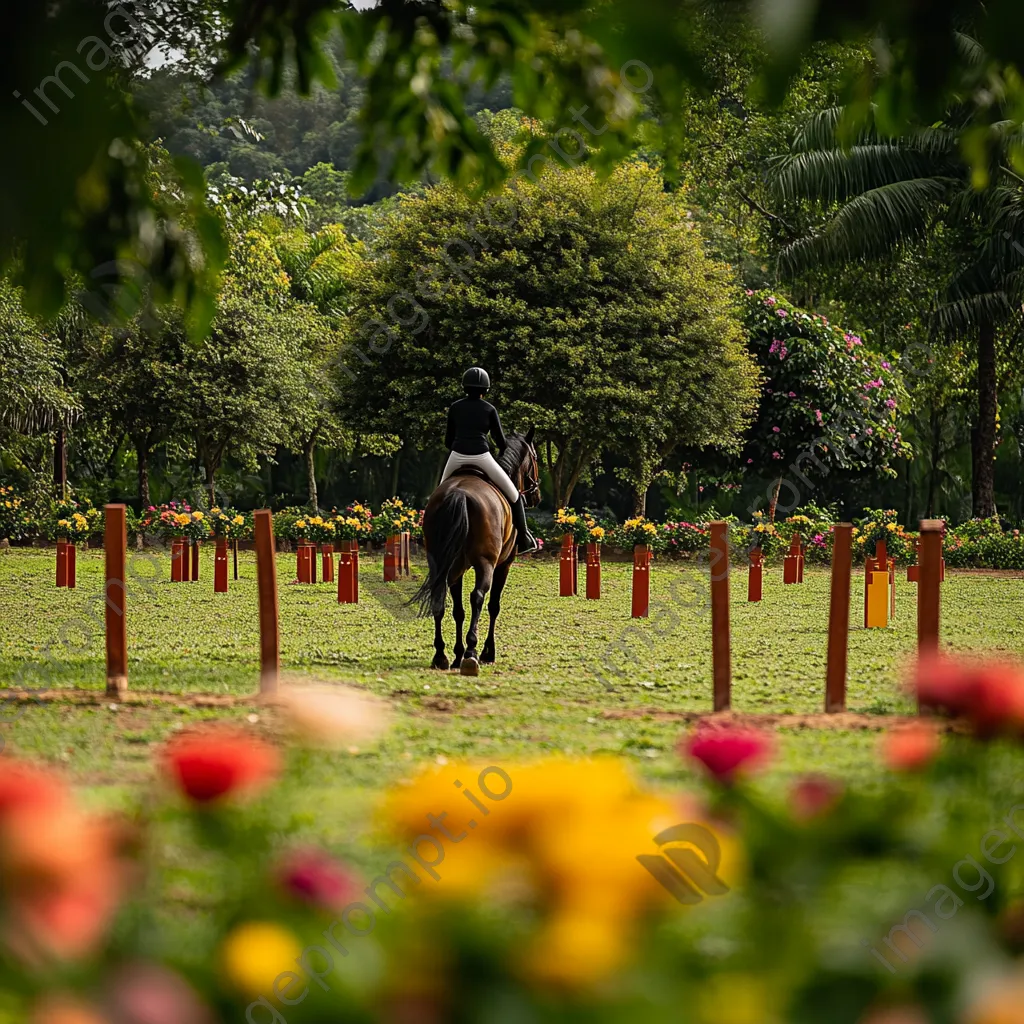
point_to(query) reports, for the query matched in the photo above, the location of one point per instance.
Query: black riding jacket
(470, 420)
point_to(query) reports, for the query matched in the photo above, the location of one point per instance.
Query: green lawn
(543, 696)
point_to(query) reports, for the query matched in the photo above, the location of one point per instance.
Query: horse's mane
(514, 455)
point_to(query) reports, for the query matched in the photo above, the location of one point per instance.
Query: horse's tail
(445, 532)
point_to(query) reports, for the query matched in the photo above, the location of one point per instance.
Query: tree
(828, 400)
(321, 269)
(80, 177)
(895, 192)
(590, 302)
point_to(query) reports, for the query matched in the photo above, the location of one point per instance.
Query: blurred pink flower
(728, 751)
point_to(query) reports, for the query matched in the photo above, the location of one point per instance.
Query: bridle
(531, 486)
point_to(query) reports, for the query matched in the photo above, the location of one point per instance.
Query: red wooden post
(307, 554)
(593, 572)
(220, 567)
(892, 588)
(801, 551)
(62, 563)
(195, 561)
(115, 550)
(791, 561)
(234, 553)
(575, 567)
(354, 547)
(266, 577)
(839, 619)
(755, 575)
(328, 563)
(721, 658)
(391, 555)
(930, 575)
(566, 583)
(346, 573)
(406, 546)
(641, 581)
(72, 565)
(178, 560)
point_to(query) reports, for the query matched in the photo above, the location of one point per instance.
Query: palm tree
(887, 193)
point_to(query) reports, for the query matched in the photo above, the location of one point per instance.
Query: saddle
(472, 471)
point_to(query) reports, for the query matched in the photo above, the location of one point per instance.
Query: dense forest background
(279, 169)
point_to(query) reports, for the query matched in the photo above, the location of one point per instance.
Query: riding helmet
(476, 379)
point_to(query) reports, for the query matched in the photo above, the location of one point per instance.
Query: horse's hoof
(487, 658)
(470, 667)
(440, 663)
(457, 663)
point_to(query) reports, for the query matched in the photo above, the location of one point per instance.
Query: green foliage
(830, 402)
(590, 302)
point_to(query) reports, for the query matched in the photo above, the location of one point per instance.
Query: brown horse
(467, 524)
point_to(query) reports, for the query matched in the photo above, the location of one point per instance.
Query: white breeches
(488, 464)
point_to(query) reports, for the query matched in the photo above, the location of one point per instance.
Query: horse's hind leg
(440, 661)
(488, 654)
(484, 575)
(459, 614)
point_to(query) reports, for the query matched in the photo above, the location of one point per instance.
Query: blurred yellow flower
(239, 520)
(255, 953)
(197, 515)
(564, 835)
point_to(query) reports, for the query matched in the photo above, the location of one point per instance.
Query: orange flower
(214, 762)
(912, 748)
(59, 868)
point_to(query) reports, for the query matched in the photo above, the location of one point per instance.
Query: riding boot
(525, 540)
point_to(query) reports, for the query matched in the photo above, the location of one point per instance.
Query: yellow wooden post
(878, 600)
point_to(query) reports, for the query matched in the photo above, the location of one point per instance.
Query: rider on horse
(470, 420)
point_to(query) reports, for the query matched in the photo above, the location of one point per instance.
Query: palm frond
(833, 176)
(871, 225)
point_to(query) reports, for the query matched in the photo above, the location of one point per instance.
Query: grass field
(573, 676)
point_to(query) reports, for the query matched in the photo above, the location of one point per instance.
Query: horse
(467, 524)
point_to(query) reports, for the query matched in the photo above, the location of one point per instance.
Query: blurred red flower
(989, 694)
(214, 762)
(728, 751)
(911, 748)
(317, 878)
(813, 796)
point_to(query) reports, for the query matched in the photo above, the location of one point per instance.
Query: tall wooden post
(929, 577)
(641, 590)
(721, 656)
(566, 583)
(62, 562)
(220, 567)
(593, 572)
(266, 577)
(755, 574)
(115, 550)
(234, 552)
(839, 618)
(195, 561)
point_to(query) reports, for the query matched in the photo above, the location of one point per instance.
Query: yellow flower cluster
(550, 833)
(563, 518)
(597, 532)
(182, 518)
(639, 523)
